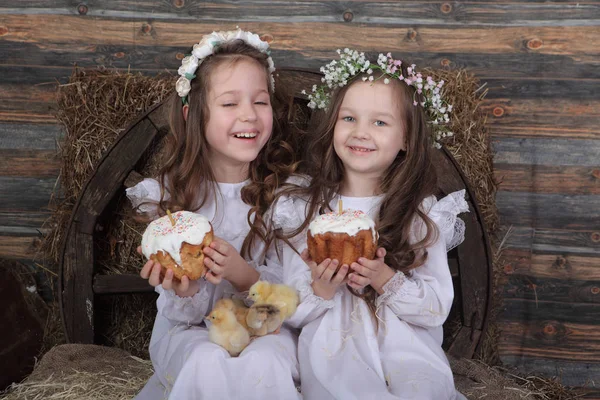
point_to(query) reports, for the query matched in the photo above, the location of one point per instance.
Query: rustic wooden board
(535, 117)
(29, 219)
(547, 151)
(557, 40)
(382, 12)
(549, 289)
(557, 266)
(30, 136)
(29, 163)
(557, 179)
(555, 241)
(19, 247)
(25, 194)
(551, 339)
(553, 211)
(167, 57)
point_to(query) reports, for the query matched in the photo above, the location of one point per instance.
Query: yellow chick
(227, 332)
(238, 307)
(264, 319)
(284, 297)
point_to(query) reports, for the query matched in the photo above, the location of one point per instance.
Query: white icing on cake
(162, 235)
(350, 222)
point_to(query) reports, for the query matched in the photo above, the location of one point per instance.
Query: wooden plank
(27, 219)
(571, 373)
(465, 342)
(532, 311)
(30, 136)
(76, 296)
(569, 341)
(547, 151)
(555, 241)
(556, 266)
(29, 163)
(564, 40)
(549, 211)
(25, 194)
(160, 58)
(526, 117)
(28, 104)
(380, 12)
(547, 179)
(20, 247)
(119, 284)
(549, 289)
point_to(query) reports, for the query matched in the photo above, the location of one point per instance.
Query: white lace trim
(185, 303)
(445, 214)
(307, 294)
(393, 288)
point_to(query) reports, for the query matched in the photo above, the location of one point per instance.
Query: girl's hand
(371, 272)
(224, 262)
(152, 271)
(325, 279)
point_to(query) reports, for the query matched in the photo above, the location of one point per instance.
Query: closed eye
(229, 104)
(262, 103)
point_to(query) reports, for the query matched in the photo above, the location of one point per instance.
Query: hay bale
(83, 372)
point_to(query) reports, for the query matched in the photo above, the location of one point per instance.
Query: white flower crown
(206, 47)
(352, 63)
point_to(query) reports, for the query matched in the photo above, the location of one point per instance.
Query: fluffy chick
(239, 309)
(227, 332)
(284, 297)
(264, 319)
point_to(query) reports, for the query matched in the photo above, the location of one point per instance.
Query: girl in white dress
(373, 330)
(222, 139)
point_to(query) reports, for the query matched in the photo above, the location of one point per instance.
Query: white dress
(341, 354)
(186, 364)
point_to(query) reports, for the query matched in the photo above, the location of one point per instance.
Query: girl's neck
(359, 185)
(229, 173)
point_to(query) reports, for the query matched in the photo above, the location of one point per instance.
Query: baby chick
(227, 332)
(284, 297)
(239, 309)
(264, 319)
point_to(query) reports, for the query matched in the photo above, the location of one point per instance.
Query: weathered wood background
(541, 62)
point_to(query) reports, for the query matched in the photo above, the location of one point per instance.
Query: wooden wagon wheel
(78, 283)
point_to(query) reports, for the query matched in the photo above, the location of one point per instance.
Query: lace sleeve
(445, 214)
(393, 287)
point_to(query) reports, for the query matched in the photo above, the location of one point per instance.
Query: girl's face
(241, 117)
(369, 131)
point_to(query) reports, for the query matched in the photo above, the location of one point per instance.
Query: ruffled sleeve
(445, 215)
(145, 196)
(187, 310)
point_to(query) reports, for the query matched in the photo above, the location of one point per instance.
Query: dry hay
(83, 372)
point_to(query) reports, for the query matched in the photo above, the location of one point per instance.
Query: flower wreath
(206, 47)
(352, 63)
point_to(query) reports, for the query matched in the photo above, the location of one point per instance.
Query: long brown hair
(187, 178)
(406, 183)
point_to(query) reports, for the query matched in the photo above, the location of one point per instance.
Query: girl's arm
(424, 296)
(190, 310)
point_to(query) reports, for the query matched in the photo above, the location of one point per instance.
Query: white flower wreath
(206, 47)
(352, 63)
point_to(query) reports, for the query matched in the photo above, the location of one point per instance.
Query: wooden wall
(541, 62)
